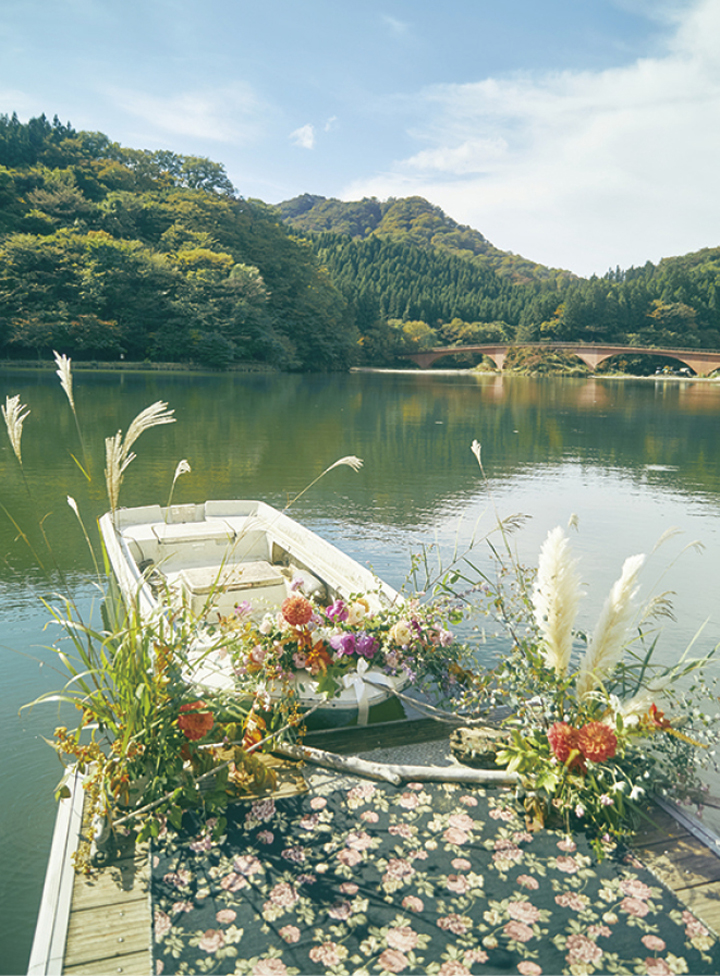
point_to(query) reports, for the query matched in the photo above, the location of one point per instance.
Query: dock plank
(108, 933)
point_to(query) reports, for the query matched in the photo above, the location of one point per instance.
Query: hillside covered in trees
(417, 278)
(108, 253)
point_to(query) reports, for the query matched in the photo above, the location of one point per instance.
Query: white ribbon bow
(356, 679)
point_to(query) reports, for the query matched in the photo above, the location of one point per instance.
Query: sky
(581, 134)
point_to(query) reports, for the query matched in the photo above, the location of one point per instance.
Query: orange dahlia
(194, 722)
(597, 742)
(297, 610)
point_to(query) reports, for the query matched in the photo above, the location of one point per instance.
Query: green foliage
(155, 250)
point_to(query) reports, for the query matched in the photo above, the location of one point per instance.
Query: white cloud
(231, 114)
(395, 25)
(304, 136)
(582, 170)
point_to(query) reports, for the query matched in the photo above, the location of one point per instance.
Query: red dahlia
(597, 742)
(195, 723)
(297, 610)
(563, 739)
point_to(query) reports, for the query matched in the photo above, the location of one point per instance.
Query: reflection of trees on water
(267, 436)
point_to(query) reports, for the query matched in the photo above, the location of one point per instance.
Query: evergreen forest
(110, 253)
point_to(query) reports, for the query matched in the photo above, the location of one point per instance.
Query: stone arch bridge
(700, 361)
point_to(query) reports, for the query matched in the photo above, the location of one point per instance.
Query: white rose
(400, 633)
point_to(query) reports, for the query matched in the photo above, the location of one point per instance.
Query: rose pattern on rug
(435, 879)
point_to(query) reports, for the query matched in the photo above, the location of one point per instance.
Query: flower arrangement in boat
(585, 729)
(350, 644)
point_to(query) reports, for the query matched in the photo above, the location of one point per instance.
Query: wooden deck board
(108, 932)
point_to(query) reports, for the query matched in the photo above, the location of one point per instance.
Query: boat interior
(216, 555)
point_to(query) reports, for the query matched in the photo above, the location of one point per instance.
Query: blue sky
(582, 134)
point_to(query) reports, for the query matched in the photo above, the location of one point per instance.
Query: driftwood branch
(438, 713)
(395, 773)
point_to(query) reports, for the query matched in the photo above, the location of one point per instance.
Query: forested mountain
(410, 220)
(108, 252)
(418, 279)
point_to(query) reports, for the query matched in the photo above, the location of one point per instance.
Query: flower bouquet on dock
(594, 725)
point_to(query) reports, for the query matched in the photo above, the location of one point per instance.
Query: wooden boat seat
(262, 585)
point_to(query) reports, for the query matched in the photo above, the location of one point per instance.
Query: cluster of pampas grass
(556, 599)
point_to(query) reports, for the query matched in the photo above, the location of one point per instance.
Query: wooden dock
(108, 925)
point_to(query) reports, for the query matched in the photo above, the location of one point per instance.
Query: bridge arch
(700, 361)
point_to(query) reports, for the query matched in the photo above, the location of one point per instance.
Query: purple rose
(338, 611)
(344, 644)
(366, 645)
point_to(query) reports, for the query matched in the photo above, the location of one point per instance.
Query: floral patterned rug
(363, 878)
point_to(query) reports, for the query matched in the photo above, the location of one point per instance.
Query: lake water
(631, 458)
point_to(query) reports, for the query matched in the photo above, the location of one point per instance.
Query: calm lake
(631, 458)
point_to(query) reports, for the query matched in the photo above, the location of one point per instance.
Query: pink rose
(349, 888)
(233, 882)
(454, 836)
(462, 821)
(402, 830)
(567, 864)
(284, 895)
(225, 916)
(399, 869)
(402, 938)
(657, 967)
(369, 816)
(359, 840)
(532, 884)
(572, 900)
(453, 968)
(636, 889)
(412, 904)
(212, 940)
(247, 864)
(409, 801)
(269, 967)
(393, 961)
(326, 954)
(457, 924)
(567, 844)
(349, 857)
(582, 949)
(527, 968)
(633, 906)
(475, 955)
(518, 931)
(461, 864)
(318, 803)
(163, 924)
(523, 911)
(457, 883)
(289, 933)
(341, 910)
(653, 943)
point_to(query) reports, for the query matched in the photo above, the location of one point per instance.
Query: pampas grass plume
(15, 415)
(611, 630)
(556, 597)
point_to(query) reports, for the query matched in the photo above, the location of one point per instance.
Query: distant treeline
(108, 252)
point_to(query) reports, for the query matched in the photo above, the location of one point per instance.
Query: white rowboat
(215, 555)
